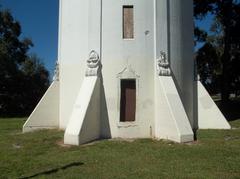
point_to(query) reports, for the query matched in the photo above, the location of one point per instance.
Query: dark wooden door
(128, 100)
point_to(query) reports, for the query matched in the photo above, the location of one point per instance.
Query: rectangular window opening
(128, 100)
(128, 22)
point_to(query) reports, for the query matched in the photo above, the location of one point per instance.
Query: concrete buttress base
(171, 121)
(84, 123)
(46, 113)
(209, 115)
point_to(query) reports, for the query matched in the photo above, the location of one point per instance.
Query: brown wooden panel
(128, 22)
(128, 100)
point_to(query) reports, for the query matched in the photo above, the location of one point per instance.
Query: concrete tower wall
(181, 54)
(126, 59)
(117, 55)
(85, 27)
(73, 52)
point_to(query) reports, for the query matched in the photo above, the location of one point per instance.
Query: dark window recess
(128, 22)
(128, 100)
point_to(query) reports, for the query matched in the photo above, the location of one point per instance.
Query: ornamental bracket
(93, 64)
(163, 66)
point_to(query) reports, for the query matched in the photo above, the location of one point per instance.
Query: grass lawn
(216, 154)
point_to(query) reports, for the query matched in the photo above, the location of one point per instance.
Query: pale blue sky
(39, 21)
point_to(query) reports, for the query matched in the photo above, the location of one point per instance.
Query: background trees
(23, 79)
(218, 59)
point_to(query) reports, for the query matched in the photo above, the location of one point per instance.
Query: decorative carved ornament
(56, 72)
(128, 73)
(93, 64)
(163, 66)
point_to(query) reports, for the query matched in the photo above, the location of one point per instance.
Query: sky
(204, 24)
(39, 22)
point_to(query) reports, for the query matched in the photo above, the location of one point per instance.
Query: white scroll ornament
(93, 64)
(163, 66)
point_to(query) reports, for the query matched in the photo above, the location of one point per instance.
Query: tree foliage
(223, 44)
(22, 78)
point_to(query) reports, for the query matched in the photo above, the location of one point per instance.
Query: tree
(209, 66)
(226, 27)
(36, 82)
(15, 68)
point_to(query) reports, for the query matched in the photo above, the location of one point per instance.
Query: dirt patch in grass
(60, 143)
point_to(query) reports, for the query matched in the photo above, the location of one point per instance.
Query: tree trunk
(225, 91)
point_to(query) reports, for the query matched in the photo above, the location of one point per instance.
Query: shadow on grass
(231, 109)
(55, 170)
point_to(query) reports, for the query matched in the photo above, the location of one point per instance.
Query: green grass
(216, 154)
